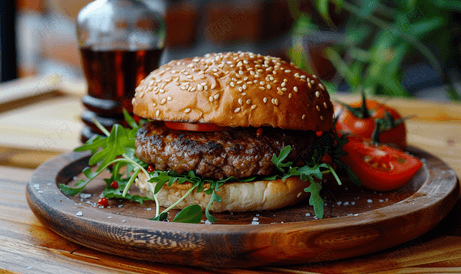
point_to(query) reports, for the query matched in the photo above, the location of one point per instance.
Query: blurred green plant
(381, 39)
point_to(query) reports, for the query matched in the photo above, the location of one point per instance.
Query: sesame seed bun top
(237, 90)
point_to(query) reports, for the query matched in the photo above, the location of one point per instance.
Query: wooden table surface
(39, 119)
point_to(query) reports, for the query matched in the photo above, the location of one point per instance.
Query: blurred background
(406, 48)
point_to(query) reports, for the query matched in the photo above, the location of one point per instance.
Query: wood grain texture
(412, 211)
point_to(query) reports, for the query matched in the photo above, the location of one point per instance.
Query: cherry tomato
(364, 126)
(194, 127)
(103, 202)
(326, 159)
(114, 184)
(379, 167)
(150, 169)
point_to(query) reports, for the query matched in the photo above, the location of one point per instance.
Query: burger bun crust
(236, 90)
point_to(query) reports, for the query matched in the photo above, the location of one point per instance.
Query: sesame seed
(268, 86)
(317, 108)
(314, 76)
(244, 87)
(161, 91)
(285, 80)
(189, 76)
(287, 71)
(154, 104)
(325, 104)
(215, 74)
(262, 88)
(163, 101)
(284, 89)
(132, 101)
(157, 113)
(169, 98)
(309, 85)
(240, 89)
(237, 110)
(239, 82)
(240, 72)
(303, 76)
(265, 100)
(290, 95)
(262, 83)
(215, 70)
(280, 92)
(312, 82)
(284, 84)
(304, 116)
(192, 89)
(240, 101)
(321, 86)
(211, 99)
(187, 110)
(321, 117)
(216, 96)
(239, 64)
(199, 87)
(253, 106)
(297, 75)
(244, 94)
(232, 84)
(205, 87)
(213, 86)
(317, 94)
(248, 101)
(295, 89)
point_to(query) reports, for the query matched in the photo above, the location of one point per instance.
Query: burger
(224, 117)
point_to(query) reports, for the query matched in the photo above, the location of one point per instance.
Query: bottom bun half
(236, 197)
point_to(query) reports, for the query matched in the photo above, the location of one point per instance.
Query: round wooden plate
(358, 221)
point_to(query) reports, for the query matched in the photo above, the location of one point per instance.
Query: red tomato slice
(380, 168)
(194, 127)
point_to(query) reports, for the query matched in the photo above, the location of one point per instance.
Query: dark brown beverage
(112, 77)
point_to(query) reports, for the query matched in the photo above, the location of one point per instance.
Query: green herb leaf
(190, 214)
(130, 120)
(277, 161)
(214, 198)
(93, 144)
(161, 217)
(315, 200)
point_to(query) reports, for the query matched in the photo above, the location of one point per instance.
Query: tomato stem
(364, 109)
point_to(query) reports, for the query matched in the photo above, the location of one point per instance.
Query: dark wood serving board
(357, 221)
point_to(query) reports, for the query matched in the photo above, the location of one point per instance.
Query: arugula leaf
(189, 214)
(315, 200)
(277, 161)
(130, 120)
(350, 173)
(93, 144)
(161, 217)
(214, 198)
(80, 185)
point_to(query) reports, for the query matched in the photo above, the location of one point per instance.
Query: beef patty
(238, 152)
